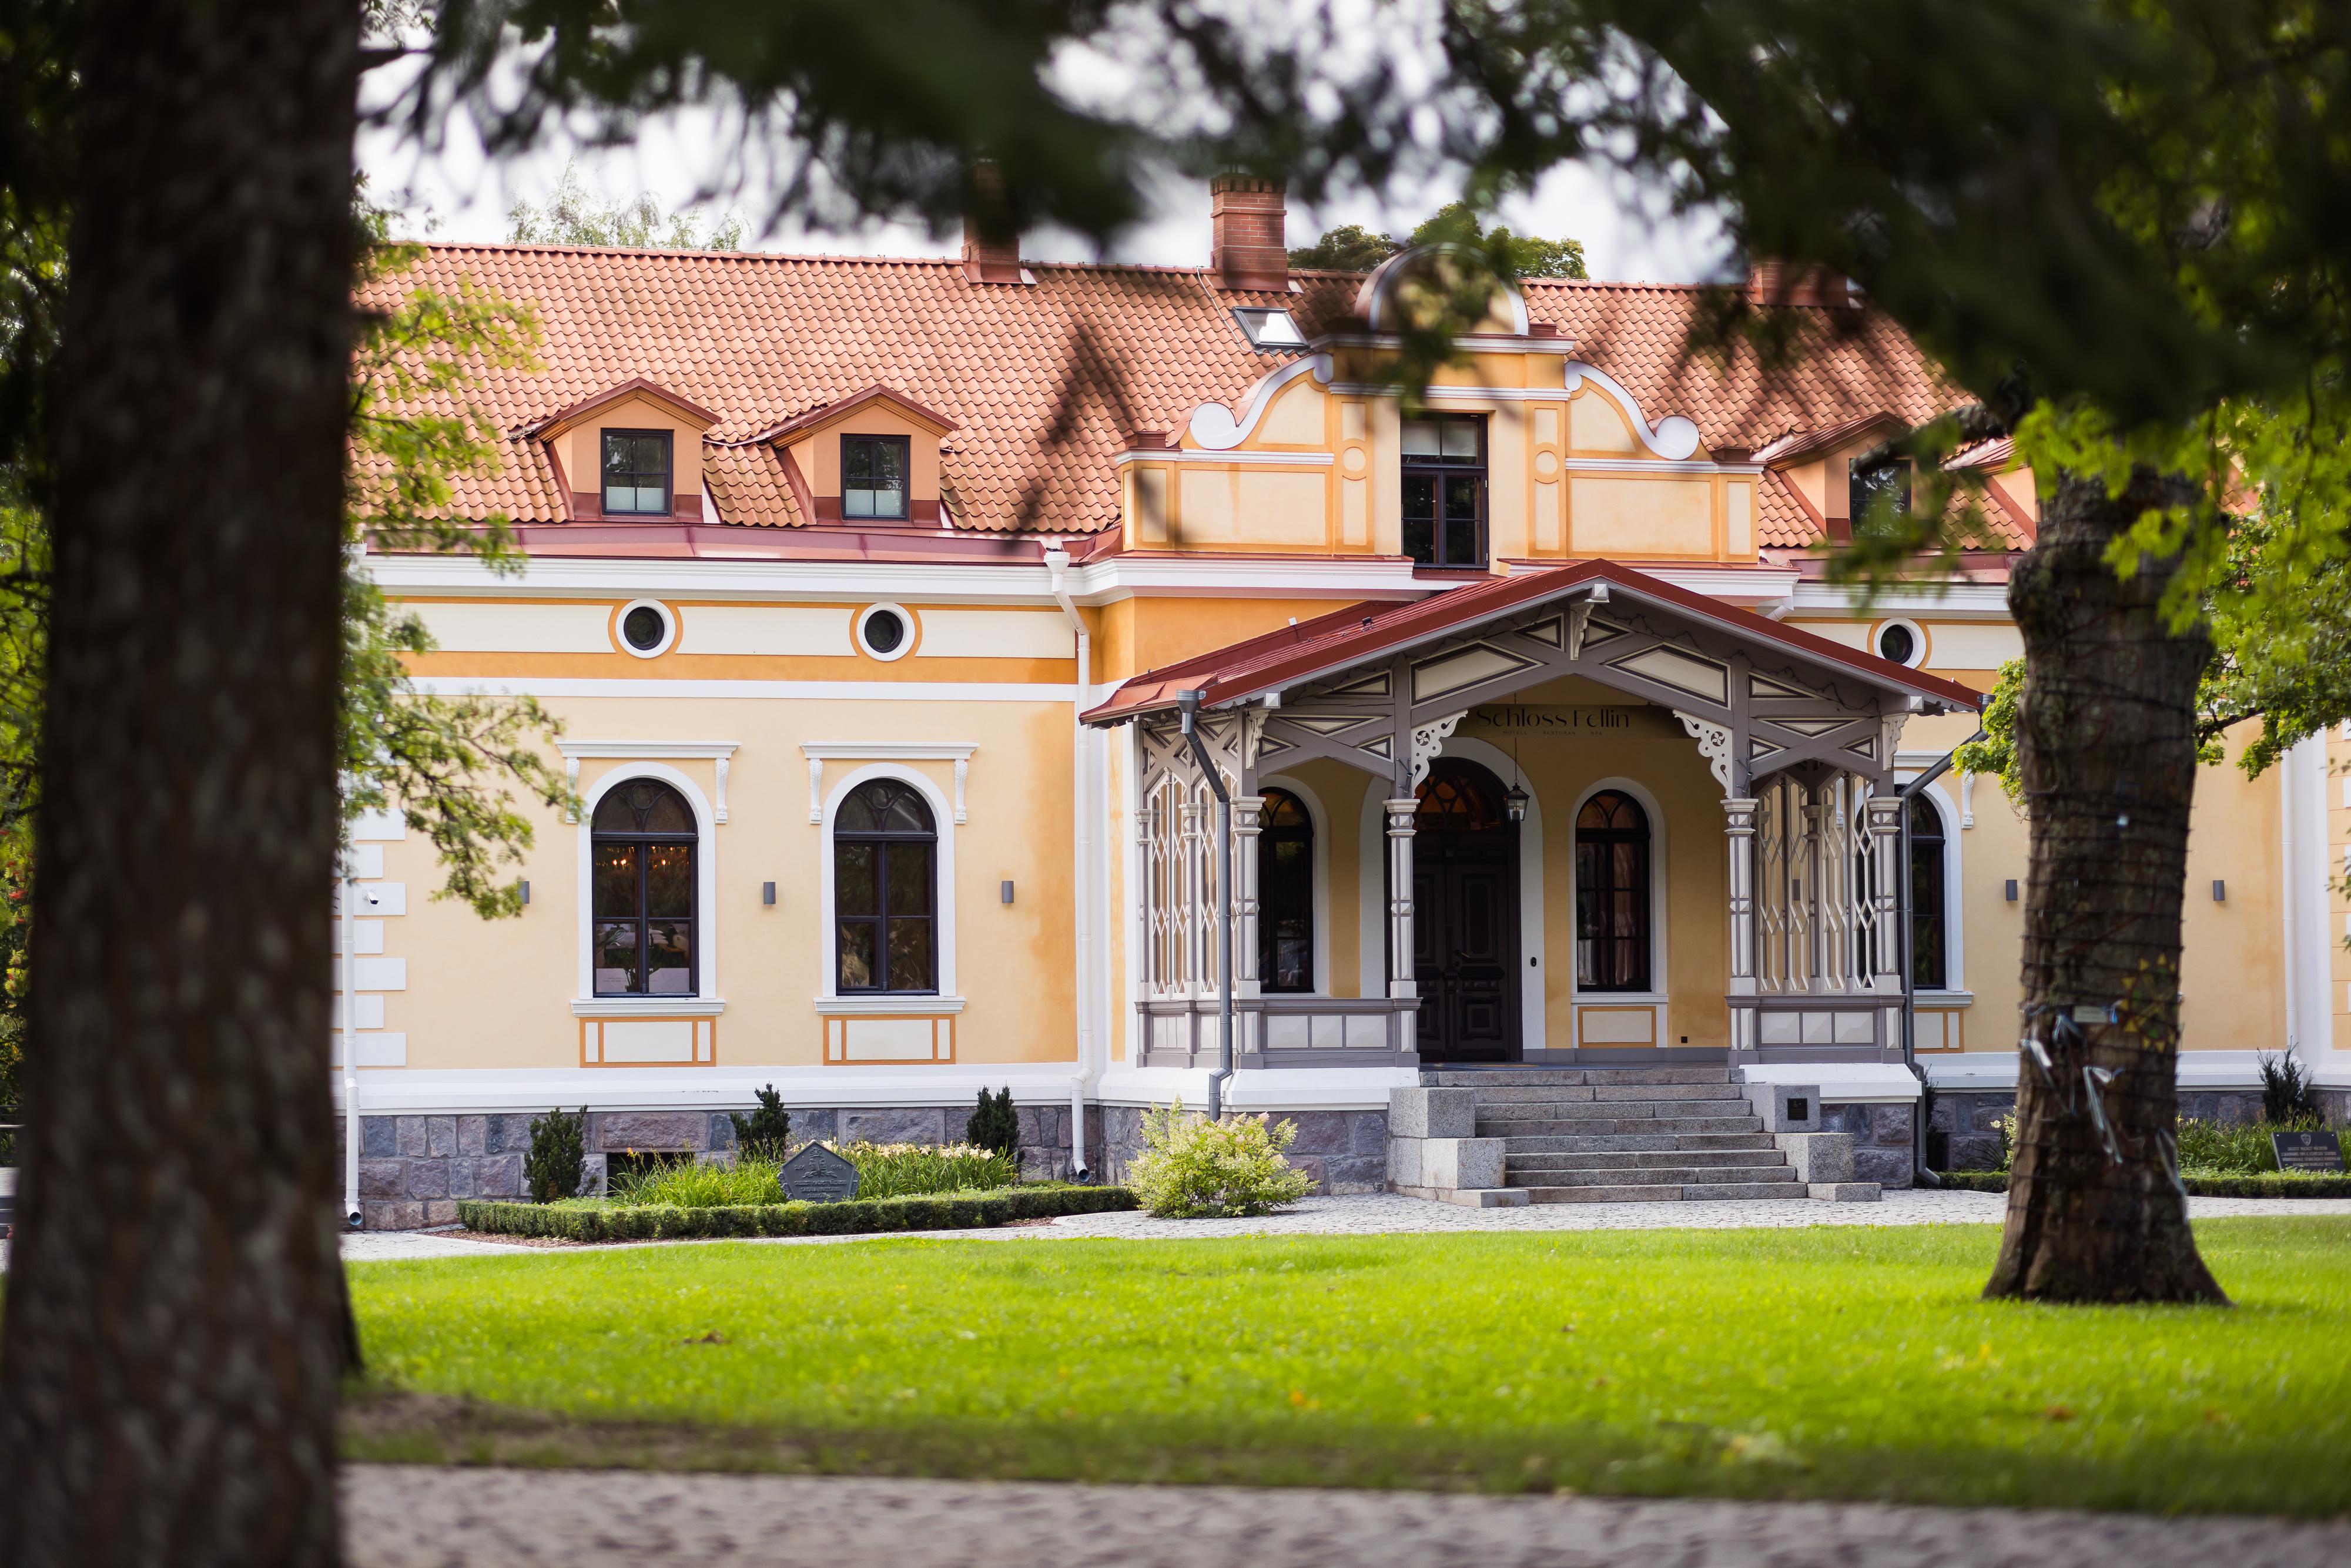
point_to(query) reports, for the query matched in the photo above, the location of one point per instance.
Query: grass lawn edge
(877, 1216)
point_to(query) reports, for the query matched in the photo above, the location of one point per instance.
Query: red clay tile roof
(1853, 362)
(1044, 380)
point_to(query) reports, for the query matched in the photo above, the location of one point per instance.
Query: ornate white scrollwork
(1966, 799)
(1890, 736)
(1713, 744)
(816, 790)
(721, 812)
(1427, 740)
(571, 783)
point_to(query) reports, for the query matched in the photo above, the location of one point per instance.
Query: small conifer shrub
(557, 1165)
(762, 1136)
(2289, 1099)
(1192, 1168)
(995, 1124)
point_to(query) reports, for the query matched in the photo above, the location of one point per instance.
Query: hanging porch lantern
(1515, 803)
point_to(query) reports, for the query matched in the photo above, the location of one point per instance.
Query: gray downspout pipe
(1907, 794)
(1189, 701)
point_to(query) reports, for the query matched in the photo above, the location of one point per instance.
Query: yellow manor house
(914, 622)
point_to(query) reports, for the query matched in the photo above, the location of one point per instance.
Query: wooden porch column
(1400, 832)
(1885, 807)
(1199, 965)
(1147, 898)
(1246, 982)
(1739, 833)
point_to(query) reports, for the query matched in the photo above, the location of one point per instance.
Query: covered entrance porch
(1572, 817)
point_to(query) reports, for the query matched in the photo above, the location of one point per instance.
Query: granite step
(1633, 1118)
(1537, 1110)
(1678, 1174)
(1500, 1078)
(1648, 1159)
(1655, 1092)
(1578, 1144)
(1727, 1192)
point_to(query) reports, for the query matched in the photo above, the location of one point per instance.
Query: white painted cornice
(647, 751)
(1939, 601)
(648, 1007)
(890, 751)
(1741, 585)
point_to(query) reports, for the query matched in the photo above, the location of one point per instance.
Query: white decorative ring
(629, 644)
(876, 642)
(1917, 634)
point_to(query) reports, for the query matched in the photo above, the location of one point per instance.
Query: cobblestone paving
(397, 1516)
(1388, 1214)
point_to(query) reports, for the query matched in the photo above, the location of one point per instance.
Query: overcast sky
(469, 199)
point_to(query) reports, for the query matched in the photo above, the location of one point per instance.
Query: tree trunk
(2105, 731)
(173, 1338)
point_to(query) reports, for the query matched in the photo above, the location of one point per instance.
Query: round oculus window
(1898, 643)
(644, 627)
(885, 631)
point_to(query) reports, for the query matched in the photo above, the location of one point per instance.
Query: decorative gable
(868, 459)
(631, 453)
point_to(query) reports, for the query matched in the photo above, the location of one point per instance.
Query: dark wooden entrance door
(1465, 928)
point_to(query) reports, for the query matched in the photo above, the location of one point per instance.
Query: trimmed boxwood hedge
(870, 1217)
(2268, 1185)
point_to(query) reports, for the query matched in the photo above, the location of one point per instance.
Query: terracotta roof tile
(1046, 379)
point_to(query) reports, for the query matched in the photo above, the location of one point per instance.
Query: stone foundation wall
(1882, 1139)
(1969, 1120)
(1343, 1151)
(414, 1169)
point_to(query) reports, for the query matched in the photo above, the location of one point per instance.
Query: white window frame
(1954, 925)
(1319, 821)
(896, 1004)
(705, 1000)
(1660, 978)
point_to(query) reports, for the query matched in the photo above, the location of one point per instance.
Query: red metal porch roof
(1346, 638)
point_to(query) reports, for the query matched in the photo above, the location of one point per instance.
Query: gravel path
(1388, 1214)
(398, 1516)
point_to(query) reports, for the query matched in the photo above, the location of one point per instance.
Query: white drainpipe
(350, 1049)
(1057, 561)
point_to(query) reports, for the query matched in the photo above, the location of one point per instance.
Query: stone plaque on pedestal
(817, 1175)
(2308, 1151)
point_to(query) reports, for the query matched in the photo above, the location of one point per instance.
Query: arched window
(1456, 800)
(1285, 885)
(1930, 963)
(886, 890)
(642, 843)
(1612, 894)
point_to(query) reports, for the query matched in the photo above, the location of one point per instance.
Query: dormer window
(636, 473)
(873, 475)
(1269, 331)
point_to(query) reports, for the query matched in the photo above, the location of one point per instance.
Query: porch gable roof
(1321, 647)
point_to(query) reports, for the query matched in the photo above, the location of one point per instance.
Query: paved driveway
(398, 1516)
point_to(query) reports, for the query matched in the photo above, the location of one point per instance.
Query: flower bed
(858, 1217)
(2269, 1185)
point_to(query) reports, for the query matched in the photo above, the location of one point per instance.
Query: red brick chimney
(987, 259)
(1781, 283)
(1247, 218)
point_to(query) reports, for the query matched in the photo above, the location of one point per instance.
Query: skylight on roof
(1271, 330)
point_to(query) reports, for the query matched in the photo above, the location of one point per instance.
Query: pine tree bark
(173, 1341)
(2106, 732)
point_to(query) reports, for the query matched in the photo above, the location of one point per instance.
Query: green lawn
(1825, 1362)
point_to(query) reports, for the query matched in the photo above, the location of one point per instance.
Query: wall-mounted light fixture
(525, 890)
(2220, 892)
(1515, 803)
(767, 892)
(1008, 893)
(2011, 890)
